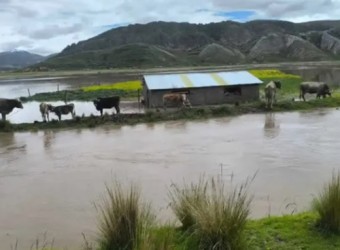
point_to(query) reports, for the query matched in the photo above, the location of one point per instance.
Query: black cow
(7, 106)
(318, 88)
(63, 110)
(107, 103)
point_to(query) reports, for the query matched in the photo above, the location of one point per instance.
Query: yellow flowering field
(125, 86)
(272, 73)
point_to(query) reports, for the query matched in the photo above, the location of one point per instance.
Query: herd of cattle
(318, 88)
(181, 99)
(101, 103)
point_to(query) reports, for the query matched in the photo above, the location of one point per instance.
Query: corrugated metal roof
(198, 80)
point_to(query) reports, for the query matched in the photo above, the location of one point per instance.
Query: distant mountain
(18, 59)
(161, 44)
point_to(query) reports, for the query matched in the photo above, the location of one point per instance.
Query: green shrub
(125, 220)
(327, 205)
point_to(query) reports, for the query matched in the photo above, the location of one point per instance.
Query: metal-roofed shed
(203, 88)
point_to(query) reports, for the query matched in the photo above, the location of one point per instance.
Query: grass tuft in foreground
(215, 215)
(185, 200)
(327, 205)
(125, 219)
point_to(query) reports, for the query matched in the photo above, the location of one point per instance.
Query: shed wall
(205, 96)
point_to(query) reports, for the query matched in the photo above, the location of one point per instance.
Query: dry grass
(327, 205)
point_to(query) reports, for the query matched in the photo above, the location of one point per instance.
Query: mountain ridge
(17, 59)
(162, 44)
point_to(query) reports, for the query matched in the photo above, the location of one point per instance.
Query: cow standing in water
(63, 110)
(7, 106)
(318, 88)
(181, 99)
(270, 92)
(107, 103)
(45, 111)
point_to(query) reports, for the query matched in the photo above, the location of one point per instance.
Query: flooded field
(50, 179)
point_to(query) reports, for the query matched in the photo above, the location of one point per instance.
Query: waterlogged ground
(49, 180)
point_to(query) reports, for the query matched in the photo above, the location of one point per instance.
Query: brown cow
(181, 99)
(7, 106)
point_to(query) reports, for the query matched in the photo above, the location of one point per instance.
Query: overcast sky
(48, 26)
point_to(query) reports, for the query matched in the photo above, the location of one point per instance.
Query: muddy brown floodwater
(49, 180)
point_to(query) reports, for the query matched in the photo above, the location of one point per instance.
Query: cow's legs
(43, 117)
(59, 117)
(3, 116)
(117, 109)
(48, 116)
(101, 112)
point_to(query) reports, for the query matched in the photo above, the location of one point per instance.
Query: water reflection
(271, 126)
(6, 140)
(181, 125)
(314, 115)
(49, 137)
(10, 148)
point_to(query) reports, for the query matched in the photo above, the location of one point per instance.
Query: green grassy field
(289, 232)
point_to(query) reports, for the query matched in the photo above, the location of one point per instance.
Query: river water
(49, 180)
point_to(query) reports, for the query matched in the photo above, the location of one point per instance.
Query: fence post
(58, 87)
(29, 93)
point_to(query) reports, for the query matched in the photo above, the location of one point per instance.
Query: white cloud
(49, 26)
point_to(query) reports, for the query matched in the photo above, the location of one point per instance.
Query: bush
(327, 205)
(215, 216)
(124, 219)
